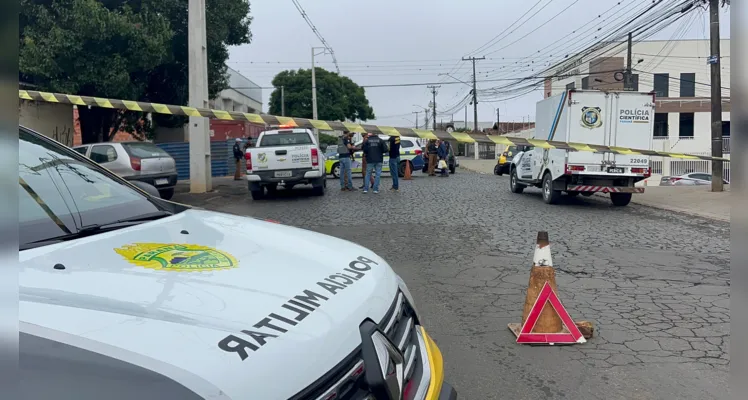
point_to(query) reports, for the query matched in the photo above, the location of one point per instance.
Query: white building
(679, 74)
(242, 95)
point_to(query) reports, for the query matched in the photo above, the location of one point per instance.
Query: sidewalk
(691, 200)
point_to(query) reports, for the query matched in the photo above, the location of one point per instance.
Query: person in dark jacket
(395, 161)
(374, 150)
(431, 149)
(238, 155)
(364, 138)
(442, 153)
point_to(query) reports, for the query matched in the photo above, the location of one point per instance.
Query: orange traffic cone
(544, 319)
(407, 176)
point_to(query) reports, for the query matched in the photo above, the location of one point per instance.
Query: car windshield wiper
(93, 229)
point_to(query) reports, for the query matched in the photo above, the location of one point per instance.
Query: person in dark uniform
(395, 161)
(432, 151)
(238, 155)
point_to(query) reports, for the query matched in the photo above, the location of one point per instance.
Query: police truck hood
(230, 307)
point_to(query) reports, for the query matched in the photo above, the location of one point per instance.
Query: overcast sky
(413, 41)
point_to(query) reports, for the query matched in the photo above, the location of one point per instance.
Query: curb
(673, 209)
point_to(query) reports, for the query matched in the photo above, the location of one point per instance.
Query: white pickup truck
(285, 157)
(615, 119)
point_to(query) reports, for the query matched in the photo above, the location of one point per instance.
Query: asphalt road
(656, 284)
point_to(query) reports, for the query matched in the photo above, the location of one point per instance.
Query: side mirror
(150, 189)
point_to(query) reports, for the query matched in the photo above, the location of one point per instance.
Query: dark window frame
(688, 84)
(658, 132)
(688, 118)
(571, 86)
(662, 89)
(585, 83)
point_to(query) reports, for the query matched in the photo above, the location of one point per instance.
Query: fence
(222, 158)
(674, 167)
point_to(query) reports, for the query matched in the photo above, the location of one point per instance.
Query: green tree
(123, 49)
(338, 97)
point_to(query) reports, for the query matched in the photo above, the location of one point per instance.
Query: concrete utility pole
(197, 130)
(314, 92)
(283, 101)
(416, 113)
(714, 60)
(627, 81)
(475, 92)
(465, 116)
(433, 114)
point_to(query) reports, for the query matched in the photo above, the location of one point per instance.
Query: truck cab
(285, 156)
(614, 121)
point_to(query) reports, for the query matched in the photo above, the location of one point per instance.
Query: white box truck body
(615, 119)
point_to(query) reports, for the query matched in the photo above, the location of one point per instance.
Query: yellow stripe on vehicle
(437, 367)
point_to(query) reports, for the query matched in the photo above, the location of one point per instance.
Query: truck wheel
(550, 196)
(514, 186)
(620, 199)
(452, 169)
(318, 189)
(497, 170)
(258, 194)
(336, 170)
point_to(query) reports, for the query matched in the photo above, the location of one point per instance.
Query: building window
(635, 82)
(688, 85)
(686, 125)
(660, 128)
(585, 82)
(570, 86)
(662, 85)
(725, 128)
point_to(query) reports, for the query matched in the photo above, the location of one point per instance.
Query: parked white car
(690, 179)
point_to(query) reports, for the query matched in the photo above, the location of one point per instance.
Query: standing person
(431, 149)
(442, 153)
(374, 150)
(238, 155)
(395, 161)
(344, 155)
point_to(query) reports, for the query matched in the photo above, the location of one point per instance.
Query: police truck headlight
(409, 297)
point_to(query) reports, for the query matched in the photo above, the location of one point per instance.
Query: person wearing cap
(238, 155)
(345, 154)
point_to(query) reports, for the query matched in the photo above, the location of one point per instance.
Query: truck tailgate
(632, 128)
(282, 159)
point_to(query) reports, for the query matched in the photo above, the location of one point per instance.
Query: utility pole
(314, 90)
(714, 60)
(433, 114)
(498, 121)
(416, 113)
(475, 91)
(627, 81)
(465, 116)
(197, 68)
(283, 101)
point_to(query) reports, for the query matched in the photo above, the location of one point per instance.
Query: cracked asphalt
(655, 283)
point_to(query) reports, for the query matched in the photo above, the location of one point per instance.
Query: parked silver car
(136, 161)
(690, 179)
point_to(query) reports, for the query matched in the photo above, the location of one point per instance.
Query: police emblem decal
(262, 157)
(177, 257)
(591, 117)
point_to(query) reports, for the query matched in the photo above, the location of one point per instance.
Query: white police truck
(623, 120)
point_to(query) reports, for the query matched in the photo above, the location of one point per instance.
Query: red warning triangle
(547, 295)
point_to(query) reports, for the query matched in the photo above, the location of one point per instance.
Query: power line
(316, 32)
